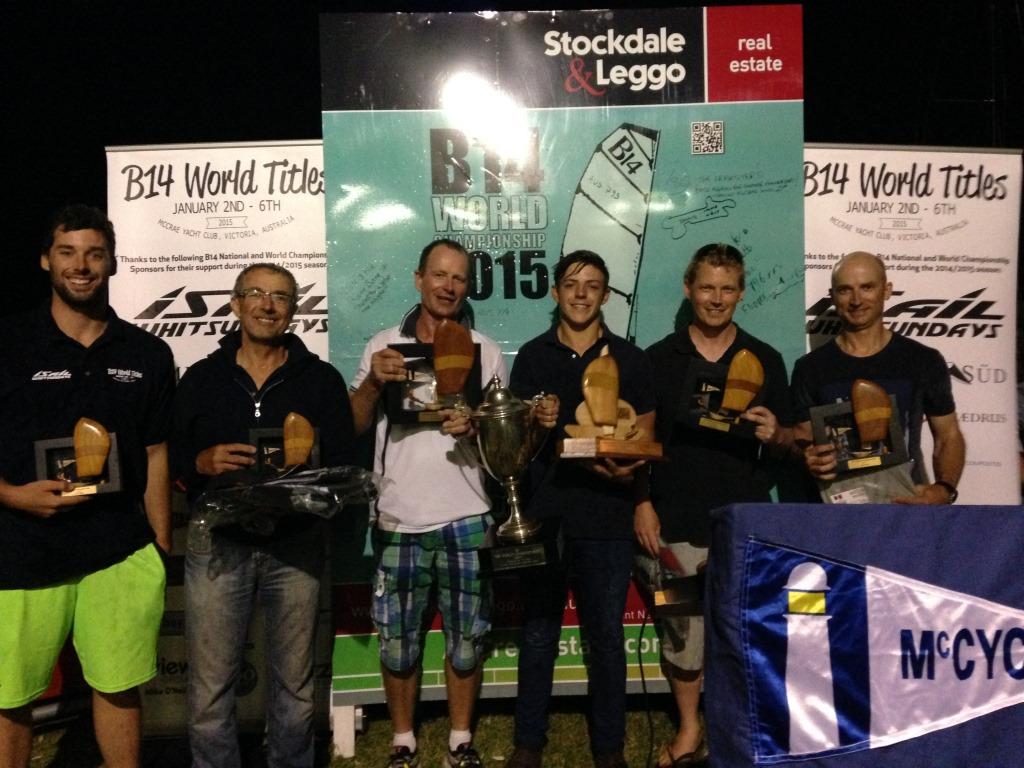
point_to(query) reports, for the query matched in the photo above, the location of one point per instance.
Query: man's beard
(95, 300)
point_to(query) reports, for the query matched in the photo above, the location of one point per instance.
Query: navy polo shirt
(125, 381)
(706, 468)
(590, 506)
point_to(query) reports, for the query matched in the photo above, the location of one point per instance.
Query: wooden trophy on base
(439, 375)
(714, 397)
(88, 460)
(606, 426)
(294, 446)
(872, 463)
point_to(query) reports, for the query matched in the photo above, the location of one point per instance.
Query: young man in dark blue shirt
(594, 502)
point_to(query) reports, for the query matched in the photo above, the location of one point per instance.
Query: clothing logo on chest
(51, 375)
(124, 375)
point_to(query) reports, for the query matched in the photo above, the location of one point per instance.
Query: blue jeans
(599, 573)
(221, 583)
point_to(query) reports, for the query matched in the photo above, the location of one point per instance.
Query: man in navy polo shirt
(87, 562)
(866, 348)
(594, 501)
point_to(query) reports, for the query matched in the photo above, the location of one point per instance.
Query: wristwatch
(950, 489)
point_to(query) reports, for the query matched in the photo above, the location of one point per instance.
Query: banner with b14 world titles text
(190, 217)
(639, 134)
(946, 224)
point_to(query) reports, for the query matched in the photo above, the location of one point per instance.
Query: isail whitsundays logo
(844, 657)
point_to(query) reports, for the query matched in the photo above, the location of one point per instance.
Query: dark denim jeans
(599, 573)
(222, 583)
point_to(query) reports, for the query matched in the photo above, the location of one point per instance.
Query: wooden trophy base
(732, 425)
(498, 556)
(608, 448)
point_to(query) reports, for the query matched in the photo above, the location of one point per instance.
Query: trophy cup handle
(538, 433)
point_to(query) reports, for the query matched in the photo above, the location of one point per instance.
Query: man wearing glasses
(259, 374)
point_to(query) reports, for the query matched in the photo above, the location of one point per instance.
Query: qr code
(707, 138)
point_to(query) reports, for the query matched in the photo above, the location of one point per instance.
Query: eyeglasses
(258, 294)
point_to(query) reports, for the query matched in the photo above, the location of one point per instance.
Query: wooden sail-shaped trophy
(88, 460)
(872, 412)
(453, 359)
(92, 446)
(872, 462)
(742, 383)
(299, 437)
(295, 444)
(739, 390)
(606, 425)
(439, 375)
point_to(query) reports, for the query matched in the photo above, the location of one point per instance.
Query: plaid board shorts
(410, 566)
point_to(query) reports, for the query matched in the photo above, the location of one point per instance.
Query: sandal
(667, 760)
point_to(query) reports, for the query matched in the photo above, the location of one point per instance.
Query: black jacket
(217, 402)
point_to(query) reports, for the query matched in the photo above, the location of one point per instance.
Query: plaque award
(872, 463)
(88, 460)
(508, 437)
(714, 396)
(605, 425)
(445, 374)
(295, 444)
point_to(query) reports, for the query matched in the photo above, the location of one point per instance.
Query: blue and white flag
(842, 657)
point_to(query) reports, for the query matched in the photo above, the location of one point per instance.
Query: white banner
(190, 217)
(946, 223)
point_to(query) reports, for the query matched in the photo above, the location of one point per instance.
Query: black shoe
(403, 757)
(464, 757)
(523, 757)
(610, 760)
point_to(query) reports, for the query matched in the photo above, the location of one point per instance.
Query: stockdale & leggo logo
(591, 73)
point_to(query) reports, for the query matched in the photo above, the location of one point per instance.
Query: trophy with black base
(88, 460)
(295, 444)
(444, 374)
(508, 437)
(673, 592)
(872, 463)
(715, 396)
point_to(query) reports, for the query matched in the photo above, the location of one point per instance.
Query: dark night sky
(79, 76)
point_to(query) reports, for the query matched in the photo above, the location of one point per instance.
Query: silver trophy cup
(508, 438)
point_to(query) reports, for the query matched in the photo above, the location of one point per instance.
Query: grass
(70, 745)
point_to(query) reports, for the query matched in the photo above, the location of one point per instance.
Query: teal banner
(597, 156)
(639, 134)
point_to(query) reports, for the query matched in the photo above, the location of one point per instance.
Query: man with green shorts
(81, 564)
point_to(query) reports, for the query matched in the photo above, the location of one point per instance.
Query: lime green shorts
(114, 616)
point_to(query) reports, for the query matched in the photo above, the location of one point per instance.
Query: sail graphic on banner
(609, 215)
(843, 657)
